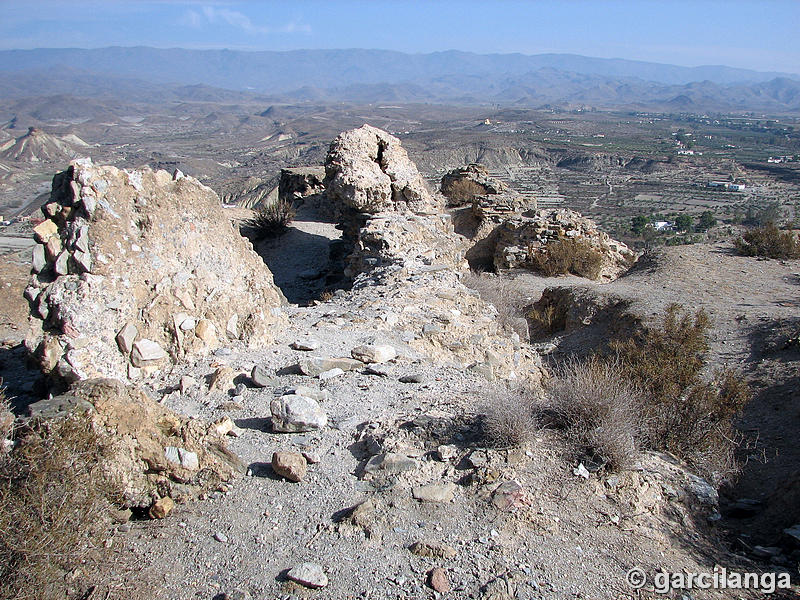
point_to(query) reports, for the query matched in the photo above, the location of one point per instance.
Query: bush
(270, 221)
(53, 509)
(563, 256)
(509, 418)
(770, 242)
(599, 408)
(681, 413)
(462, 191)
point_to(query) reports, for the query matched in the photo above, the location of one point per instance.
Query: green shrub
(577, 257)
(681, 412)
(270, 221)
(769, 242)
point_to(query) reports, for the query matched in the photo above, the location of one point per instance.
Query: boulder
(130, 265)
(290, 465)
(299, 185)
(294, 413)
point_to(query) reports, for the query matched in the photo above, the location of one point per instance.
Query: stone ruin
(519, 238)
(136, 270)
(379, 197)
(506, 231)
(299, 185)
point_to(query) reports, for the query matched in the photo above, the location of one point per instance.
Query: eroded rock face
(149, 451)
(367, 170)
(473, 183)
(143, 270)
(387, 214)
(520, 237)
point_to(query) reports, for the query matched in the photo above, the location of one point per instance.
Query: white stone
(146, 352)
(369, 353)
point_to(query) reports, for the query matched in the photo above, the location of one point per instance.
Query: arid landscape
(366, 324)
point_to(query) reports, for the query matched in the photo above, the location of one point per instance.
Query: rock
(581, 471)
(326, 375)
(434, 493)
(390, 463)
(53, 248)
(238, 593)
(261, 377)
(794, 533)
(765, 551)
(447, 452)
(376, 370)
(306, 345)
(206, 331)
(45, 230)
(374, 353)
(312, 366)
(130, 254)
(293, 413)
(61, 265)
(126, 337)
(187, 383)
(465, 184)
(368, 171)
(309, 392)
(146, 353)
(222, 379)
(311, 457)
(222, 427)
(432, 550)
(510, 495)
(181, 456)
(308, 574)
(413, 378)
(301, 185)
(221, 537)
(161, 507)
(38, 260)
(290, 465)
(438, 580)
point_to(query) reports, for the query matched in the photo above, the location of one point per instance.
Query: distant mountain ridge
(151, 75)
(274, 72)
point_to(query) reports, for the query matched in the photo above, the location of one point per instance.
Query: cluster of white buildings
(727, 186)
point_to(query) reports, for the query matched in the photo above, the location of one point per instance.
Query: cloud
(212, 15)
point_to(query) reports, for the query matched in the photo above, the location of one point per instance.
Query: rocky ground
(384, 484)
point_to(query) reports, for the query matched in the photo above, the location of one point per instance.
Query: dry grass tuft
(599, 408)
(54, 508)
(462, 191)
(769, 242)
(505, 295)
(270, 221)
(577, 257)
(510, 418)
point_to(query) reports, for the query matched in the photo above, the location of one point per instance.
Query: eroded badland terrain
(385, 398)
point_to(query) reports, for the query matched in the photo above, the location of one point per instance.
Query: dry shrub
(505, 295)
(462, 191)
(682, 413)
(510, 417)
(770, 242)
(599, 408)
(270, 221)
(6, 418)
(577, 257)
(546, 317)
(54, 508)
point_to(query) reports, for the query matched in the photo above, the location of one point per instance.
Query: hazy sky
(759, 35)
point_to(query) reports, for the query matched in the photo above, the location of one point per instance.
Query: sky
(757, 34)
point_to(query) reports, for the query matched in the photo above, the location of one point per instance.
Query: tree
(639, 224)
(707, 221)
(683, 223)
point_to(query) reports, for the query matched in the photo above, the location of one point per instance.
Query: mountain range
(158, 75)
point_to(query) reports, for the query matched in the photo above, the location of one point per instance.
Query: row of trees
(684, 223)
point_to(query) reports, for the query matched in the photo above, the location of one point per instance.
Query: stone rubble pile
(520, 237)
(136, 270)
(301, 184)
